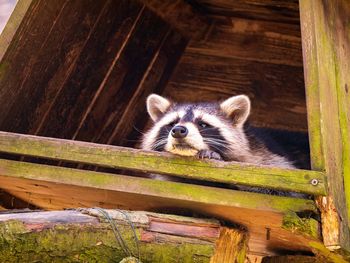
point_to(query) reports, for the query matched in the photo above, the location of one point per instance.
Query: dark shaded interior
(82, 70)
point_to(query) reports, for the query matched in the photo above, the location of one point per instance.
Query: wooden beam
(13, 24)
(304, 181)
(122, 183)
(87, 235)
(53, 187)
(286, 11)
(181, 16)
(216, 78)
(326, 48)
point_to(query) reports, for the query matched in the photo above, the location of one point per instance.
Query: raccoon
(212, 131)
(207, 130)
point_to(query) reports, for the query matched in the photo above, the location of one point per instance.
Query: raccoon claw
(207, 154)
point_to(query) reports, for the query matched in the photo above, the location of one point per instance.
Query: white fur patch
(193, 139)
(151, 136)
(157, 106)
(237, 108)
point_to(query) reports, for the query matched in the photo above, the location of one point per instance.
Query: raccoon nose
(179, 132)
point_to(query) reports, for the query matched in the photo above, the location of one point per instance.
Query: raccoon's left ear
(157, 106)
(237, 108)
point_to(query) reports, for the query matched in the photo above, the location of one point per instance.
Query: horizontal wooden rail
(149, 187)
(53, 187)
(304, 181)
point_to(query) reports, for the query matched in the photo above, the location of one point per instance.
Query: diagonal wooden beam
(182, 16)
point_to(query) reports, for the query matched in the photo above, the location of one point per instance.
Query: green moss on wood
(89, 243)
(119, 157)
(177, 191)
(322, 251)
(304, 226)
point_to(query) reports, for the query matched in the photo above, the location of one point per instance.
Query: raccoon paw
(207, 154)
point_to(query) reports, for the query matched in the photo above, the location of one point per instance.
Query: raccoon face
(186, 129)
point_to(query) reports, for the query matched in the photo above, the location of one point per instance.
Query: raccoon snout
(179, 132)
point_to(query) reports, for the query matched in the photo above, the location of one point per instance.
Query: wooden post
(87, 236)
(326, 49)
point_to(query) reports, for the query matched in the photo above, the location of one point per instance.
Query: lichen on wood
(70, 236)
(326, 47)
(304, 226)
(120, 157)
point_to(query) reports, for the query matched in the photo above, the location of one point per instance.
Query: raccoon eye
(203, 124)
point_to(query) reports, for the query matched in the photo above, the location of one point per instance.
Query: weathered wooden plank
(133, 119)
(286, 11)
(135, 185)
(254, 40)
(124, 79)
(43, 236)
(181, 16)
(119, 157)
(12, 25)
(100, 89)
(32, 33)
(60, 47)
(275, 90)
(57, 187)
(326, 46)
(312, 86)
(84, 82)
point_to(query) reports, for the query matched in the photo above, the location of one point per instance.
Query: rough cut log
(181, 16)
(86, 235)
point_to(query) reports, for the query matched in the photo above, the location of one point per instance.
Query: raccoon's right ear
(237, 108)
(157, 106)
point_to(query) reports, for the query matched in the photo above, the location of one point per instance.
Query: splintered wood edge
(304, 181)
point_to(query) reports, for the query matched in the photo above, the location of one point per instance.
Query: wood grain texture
(85, 235)
(252, 40)
(88, 78)
(32, 34)
(56, 56)
(181, 16)
(154, 81)
(125, 79)
(275, 90)
(57, 187)
(286, 11)
(13, 24)
(327, 46)
(119, 157)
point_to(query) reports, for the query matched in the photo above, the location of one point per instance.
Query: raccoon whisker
(216, 143)
(159, 143)
(215, 140)
(217, 149)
